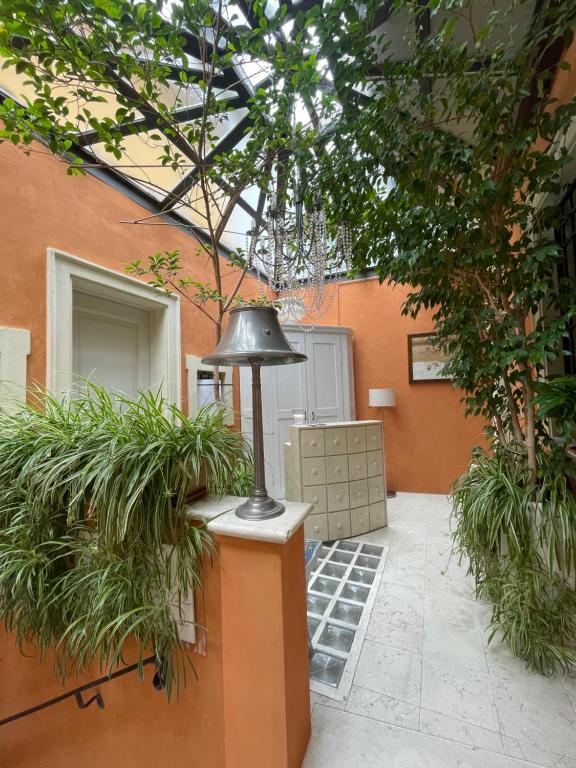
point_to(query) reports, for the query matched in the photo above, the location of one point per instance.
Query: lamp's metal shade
(253, 335)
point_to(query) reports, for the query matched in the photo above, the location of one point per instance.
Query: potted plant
(96, 546)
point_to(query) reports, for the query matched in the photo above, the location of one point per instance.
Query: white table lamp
(383, 398)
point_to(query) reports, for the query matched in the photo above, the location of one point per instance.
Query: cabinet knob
(316, 529)
(337, 441)
(315, 499)
(312, 442)
(338, 470)
(359, 493)
(339, 526)
(357, 466)
(338, 497)
(314, 471)
(356, 439)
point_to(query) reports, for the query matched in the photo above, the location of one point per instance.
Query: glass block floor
(341, 592)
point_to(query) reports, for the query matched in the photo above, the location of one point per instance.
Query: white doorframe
(67, 273)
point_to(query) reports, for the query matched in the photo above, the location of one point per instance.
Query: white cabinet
(323, 386)
(348, 489)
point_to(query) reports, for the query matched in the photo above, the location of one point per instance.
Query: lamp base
(260, 508)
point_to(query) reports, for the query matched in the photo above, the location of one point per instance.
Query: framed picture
(426, 360)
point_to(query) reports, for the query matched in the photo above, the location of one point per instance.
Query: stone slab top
(220, 514)
(329, 424)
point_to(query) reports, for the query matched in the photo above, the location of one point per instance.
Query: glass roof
(175, 190)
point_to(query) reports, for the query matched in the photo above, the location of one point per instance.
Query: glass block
(372, 549)
(326, 586)
(317, 604)
(365, 561)
(339, 638)
(326, 669)
(323, 552)
(348, 546)
(346, 612)
(362, 576)
(332, 569)
(341, 557)
(313, 625)
(355, 592)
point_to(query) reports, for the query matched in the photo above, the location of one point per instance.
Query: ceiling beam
(150, 122)
(226, 144)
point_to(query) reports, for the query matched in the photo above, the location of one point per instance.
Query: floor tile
(445, 608)
(362, 701)
(393, 672)
(456, 730)
(395, 629)
(345, 740)
(535, 754)
(536, 716)
(455, 643)
(458, 692)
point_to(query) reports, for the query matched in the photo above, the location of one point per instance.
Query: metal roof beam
(150, 122)
(227, 143)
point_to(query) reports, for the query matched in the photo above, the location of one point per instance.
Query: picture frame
(426, 360)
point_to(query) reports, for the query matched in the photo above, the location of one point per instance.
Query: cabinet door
(324, 374)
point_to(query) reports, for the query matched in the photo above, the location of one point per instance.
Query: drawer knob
(356, 439)
(359, 493)
(339, 526)
(314, 471)
(312, 442)
(315, 499)
(337, 441)
(357, 466)
(337, 470)
(338, 497)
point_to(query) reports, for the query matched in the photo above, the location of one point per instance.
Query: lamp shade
(253, 335)
(382, 398)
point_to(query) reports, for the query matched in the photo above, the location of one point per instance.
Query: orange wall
(428, 440)
(42, 207)
(138, 728)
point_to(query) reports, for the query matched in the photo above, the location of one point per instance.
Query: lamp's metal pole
(260, 506)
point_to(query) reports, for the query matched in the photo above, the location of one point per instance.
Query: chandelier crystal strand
(300, 263)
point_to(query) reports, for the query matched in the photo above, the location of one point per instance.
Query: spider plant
(97, 552)
(520, 540)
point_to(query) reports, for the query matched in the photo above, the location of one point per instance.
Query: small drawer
(314, 471)
(336, 469)
(316, 527)
(336, 441)
(360, 520)
(357, 466)
(312, 442)
(359, 493)
(356, 439)
(375, 463)
(338, 497)
(374, 437)
(376, 489)
(339, 524)
(377, 515)
(316, 494)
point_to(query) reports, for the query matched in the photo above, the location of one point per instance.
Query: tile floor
(428, 692)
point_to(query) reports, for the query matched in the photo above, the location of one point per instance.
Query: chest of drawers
(340, 469)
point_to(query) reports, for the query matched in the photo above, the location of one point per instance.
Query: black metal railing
(158, 683)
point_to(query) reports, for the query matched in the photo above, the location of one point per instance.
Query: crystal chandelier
(299, 260)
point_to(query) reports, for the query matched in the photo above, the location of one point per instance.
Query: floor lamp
(383, 398)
